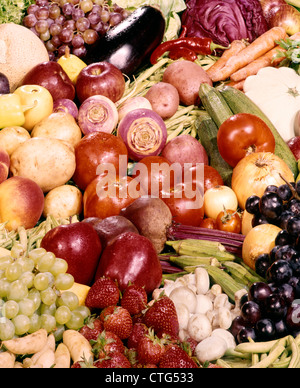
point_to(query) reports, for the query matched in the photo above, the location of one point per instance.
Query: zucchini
(214, 104)
(129, 44)
(240, 103)
(207, 133)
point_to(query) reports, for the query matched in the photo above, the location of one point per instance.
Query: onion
(282, 15)
(132, 103)
(259, 240)
(269, 6)
(65, 105)
(97, 114)
(144, 133)
(255, 172)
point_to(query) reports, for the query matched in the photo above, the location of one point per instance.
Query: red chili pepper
(183, 31)
(182, 52)
(203, 46)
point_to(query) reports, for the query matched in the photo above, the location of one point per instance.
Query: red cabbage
(224, 20)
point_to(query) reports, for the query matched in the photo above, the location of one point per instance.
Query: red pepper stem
(215, 46)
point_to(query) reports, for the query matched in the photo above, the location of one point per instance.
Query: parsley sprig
(291, 54)
(12, 11)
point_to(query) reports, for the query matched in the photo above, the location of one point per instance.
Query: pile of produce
(149, 184)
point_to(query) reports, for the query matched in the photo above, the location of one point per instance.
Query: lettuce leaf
(12, 11)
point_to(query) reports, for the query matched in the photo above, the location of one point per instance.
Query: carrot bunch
(243, 59)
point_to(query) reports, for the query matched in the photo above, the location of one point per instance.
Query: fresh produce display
(149, 184)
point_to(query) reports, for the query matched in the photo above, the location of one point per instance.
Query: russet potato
(48, 162)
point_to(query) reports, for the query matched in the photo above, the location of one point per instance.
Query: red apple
(294, 145)
(79, 245)
(51, 76)
(93, 150)
(100, 78)
(131, 258)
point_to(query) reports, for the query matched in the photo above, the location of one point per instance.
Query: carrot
(257, 48)
(235, 47)
(268, 59)
(237, 84)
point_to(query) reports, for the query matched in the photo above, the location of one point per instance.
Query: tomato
(185, 203)
(154, 174)
(209, 223)
(241, 134)
(107, 195)
(229, 221)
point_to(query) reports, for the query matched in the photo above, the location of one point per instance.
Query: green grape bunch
(35, 293)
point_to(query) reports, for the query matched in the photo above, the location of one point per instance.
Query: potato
(58, 125)
(164, 99)
(49, 162)
(63, 201)
(11, 137)
(187, 77)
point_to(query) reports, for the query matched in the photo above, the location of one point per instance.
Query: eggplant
(129, 44)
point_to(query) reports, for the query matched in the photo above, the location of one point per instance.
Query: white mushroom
(224, 318)
(202, 280)
(204, 304)
(226, 335)
(199, 327)
(183, 315)
(222, 300)
(211, 349)
(183, 294)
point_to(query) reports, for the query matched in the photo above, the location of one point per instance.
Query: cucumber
(214, 104)
(240, 103)
(207, 133)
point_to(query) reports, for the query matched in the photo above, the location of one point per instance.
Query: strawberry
(114, 360)
(92, 328)
(139, 330)
(84, 363)
(162, 317)
(104, 292)
(134, 299)
(175, 357)
(150, 349)
(106, 343)
(118, 320)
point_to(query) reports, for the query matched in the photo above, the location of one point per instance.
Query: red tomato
(210, 179)
(186, 206)
(209, 223)
(241, 134)
(106, 197)
(229, 221)
(154, 174)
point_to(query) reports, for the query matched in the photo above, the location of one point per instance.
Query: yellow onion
(246, 222)
(259, 240)
(255, 172)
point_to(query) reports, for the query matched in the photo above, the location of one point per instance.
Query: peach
(21, 202)
(4, 165)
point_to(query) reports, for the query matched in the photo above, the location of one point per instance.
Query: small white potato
(199, 327)
(63, 201)
(12, 137)
(226, 335)
(58, 125)
(183, 315)
(204, 304)
(210, 349)
(49, 162)
(184, 294)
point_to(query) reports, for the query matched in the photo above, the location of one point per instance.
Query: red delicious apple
(111, 227)
(51, 76)
(131, 258)
(294, 145)
(100, 78)
(79, 245)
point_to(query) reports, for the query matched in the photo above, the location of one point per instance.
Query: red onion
(66, 105)
(97, 114)
(144, 132)
(285, 16)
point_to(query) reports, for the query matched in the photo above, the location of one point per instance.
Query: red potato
(164, 99)
(4, 165)
(186, 76)
(185, 149)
